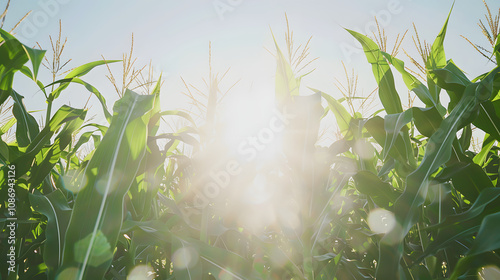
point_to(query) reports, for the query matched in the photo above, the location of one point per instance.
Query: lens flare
(489, 273)
(141, 272)
(185, 257)
(258, 192)
(242, 122)
(381, 220)
(364, 149)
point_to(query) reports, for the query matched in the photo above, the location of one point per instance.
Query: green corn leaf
(36, 58)
(214, 260)
(85, 137)
(488, 119)
(48, 157)
(154, 122)
(450, 77)
(487, 200)
(375, 127)
(65, 82)
(464, 224)
(145, 189)
(100, 127)
(496, 49)
(411, 82)
(421, 272)
(7, 125)
(487, 238)
(87, 67)
(393, 123)
(437, 58)
(25, 160)
(222, 262)
(76, 73)
(382, 72)
(488, 142)
(341, 115)
(57, 211)
(4, 152)
(181, 136)
(465, 138)
(96, 219)
(382, 193)
(468, 178)
(179, 114)
(98, 248)
(468, 267)
(27, 127)
(427, 121)
(13, 55)
(438, 152)
(99, 96)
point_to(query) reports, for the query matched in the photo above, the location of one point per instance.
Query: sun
(252, 127)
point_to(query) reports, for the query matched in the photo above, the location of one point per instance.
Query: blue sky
(175, 36)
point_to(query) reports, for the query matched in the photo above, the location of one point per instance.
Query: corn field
(405, 192)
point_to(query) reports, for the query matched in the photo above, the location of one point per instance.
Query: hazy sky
(176, 34)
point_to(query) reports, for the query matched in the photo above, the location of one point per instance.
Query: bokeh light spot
(68, 273)
(141, 272)
(381, 220)
(489, 273)
(185, 257)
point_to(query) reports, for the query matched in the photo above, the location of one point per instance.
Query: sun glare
(258, 192)
(381, 220)
(251, 129)
(252, 135)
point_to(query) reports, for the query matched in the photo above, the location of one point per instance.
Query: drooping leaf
(341, 115)
(179, 114)
(64, 83)
(36, 57)
(13, 55)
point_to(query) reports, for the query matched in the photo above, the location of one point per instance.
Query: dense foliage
(397, 197)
